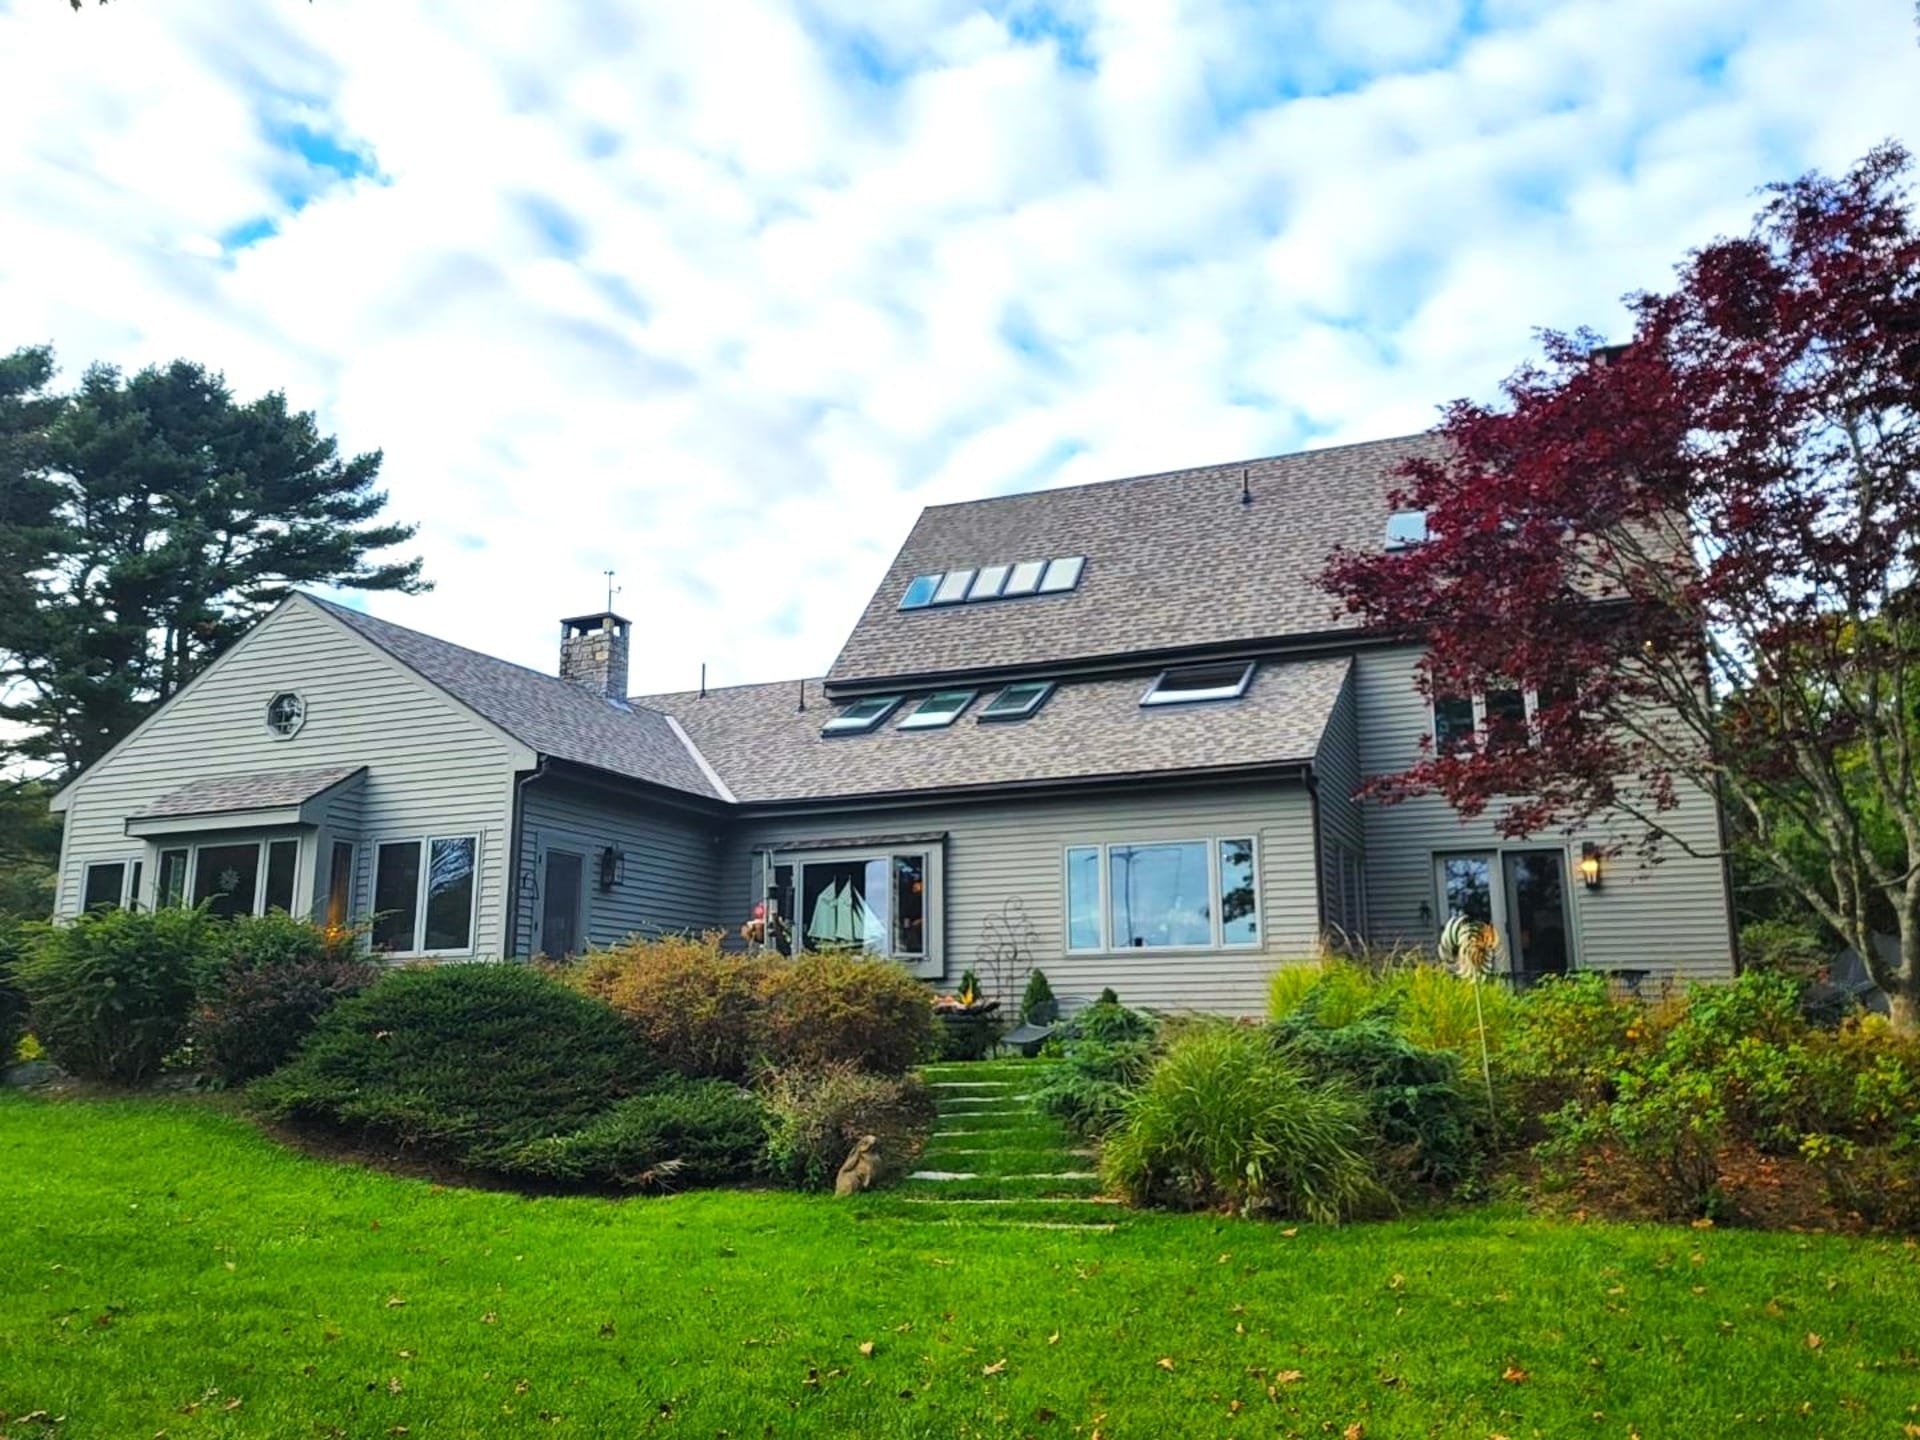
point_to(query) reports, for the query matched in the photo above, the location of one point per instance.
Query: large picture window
(230, 877)
(423, 895)
(879, 902)
(1163, 895)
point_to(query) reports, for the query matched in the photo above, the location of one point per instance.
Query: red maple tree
(1700, 549)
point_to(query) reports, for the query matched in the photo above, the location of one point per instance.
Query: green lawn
(164, 1268)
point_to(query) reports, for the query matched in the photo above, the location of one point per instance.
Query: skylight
(1406, 529)
(938, 710)
(989, 582)
(861, 716)
(920, 592)
(1195, 683)
(1025, 578)
(1062, 574)
(1017, 701)
(1003, 581)
(952, 587)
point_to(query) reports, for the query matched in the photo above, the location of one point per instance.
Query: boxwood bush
(109, 994)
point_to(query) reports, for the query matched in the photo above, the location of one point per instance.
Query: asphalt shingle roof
(271, 790)
(547, 714)
(766, 749)
(1173, 561)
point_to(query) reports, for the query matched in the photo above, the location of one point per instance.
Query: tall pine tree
(156, 518)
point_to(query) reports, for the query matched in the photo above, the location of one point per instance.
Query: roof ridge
(353, 614)
(640, 700)
(1180, 470)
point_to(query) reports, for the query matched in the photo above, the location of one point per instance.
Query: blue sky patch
(247, 232)
(564, 234)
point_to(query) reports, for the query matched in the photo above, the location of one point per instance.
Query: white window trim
(931, 964)
(425, 843)
(1218, 693)
(266, 718)
(256, 906)
(126, 864)
(1216, 919)
(1530, 700)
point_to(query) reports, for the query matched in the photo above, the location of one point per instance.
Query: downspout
(513, 853)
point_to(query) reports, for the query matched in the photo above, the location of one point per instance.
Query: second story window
(1500, 717)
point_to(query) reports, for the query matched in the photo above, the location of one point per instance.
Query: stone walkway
(995, 1160)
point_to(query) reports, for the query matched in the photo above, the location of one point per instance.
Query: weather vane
(612, 590)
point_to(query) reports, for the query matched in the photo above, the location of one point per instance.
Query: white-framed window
(1193, 684)
(286, 713)
(1002, 580)
(1343, 880)
(1163, 895)
(1497, 717)
(861, 716)
(883, 900)
(230, 877)
(110, 885)
(938, 710)
(423, 895)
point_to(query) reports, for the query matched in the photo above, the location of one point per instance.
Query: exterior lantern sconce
(1426, 915)
(613, 867)
(1590, 865)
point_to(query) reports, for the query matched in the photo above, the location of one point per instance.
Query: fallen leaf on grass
(995, 1368)
(866, 1347)
(1291, 1231)
(1355, 1431)
(235, 1403)
(394, 1302)
(1514, 1375)
(1814, 1342)
(1054, 1338)
(489, 1318)
(1165, 1362)
(1288, 1377)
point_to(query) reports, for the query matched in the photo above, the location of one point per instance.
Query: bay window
(883, 901)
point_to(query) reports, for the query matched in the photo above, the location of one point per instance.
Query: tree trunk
(1905, 1008)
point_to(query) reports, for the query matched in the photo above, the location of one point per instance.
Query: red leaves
(1729, 504)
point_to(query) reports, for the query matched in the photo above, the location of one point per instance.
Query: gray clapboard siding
(1670, 918)
(672, 877)
(1015, 850)
(1342, 822)
(433, 767)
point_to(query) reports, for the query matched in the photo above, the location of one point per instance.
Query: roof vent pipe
(1246, 489)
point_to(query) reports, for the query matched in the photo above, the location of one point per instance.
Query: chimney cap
(592, 622)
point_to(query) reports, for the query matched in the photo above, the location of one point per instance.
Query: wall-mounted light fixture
(613, 867)
(1590, 865)
(1426, 915)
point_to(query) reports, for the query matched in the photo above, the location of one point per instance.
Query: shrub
(697, 1007)
(1227, 1119)
(1567, 1040)
(470, 1061)
(828, 1008)
(263, 985)
(1437, 1010)
(1428, 1122)
(13, 1001)
(1037, 1005)
(967, 1034)
(1342, 993)
(1105, 1052)
(109, 995)
(816, 1117)
(1289, 986)
(1661, 1137)
(682, 1132)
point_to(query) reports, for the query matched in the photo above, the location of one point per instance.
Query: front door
(560, 904)
(1536, 886)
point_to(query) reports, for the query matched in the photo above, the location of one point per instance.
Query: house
(1114, 729)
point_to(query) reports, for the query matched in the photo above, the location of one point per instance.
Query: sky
(717, 296)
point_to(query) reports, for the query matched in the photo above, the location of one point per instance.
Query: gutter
(512, 932)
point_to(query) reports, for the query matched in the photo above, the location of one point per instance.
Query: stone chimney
(593, 653)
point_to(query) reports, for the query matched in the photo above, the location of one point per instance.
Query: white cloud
(719, 296)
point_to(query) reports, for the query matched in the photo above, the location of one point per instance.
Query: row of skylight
(940, 709)
(1185, 685)
(994, 582)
